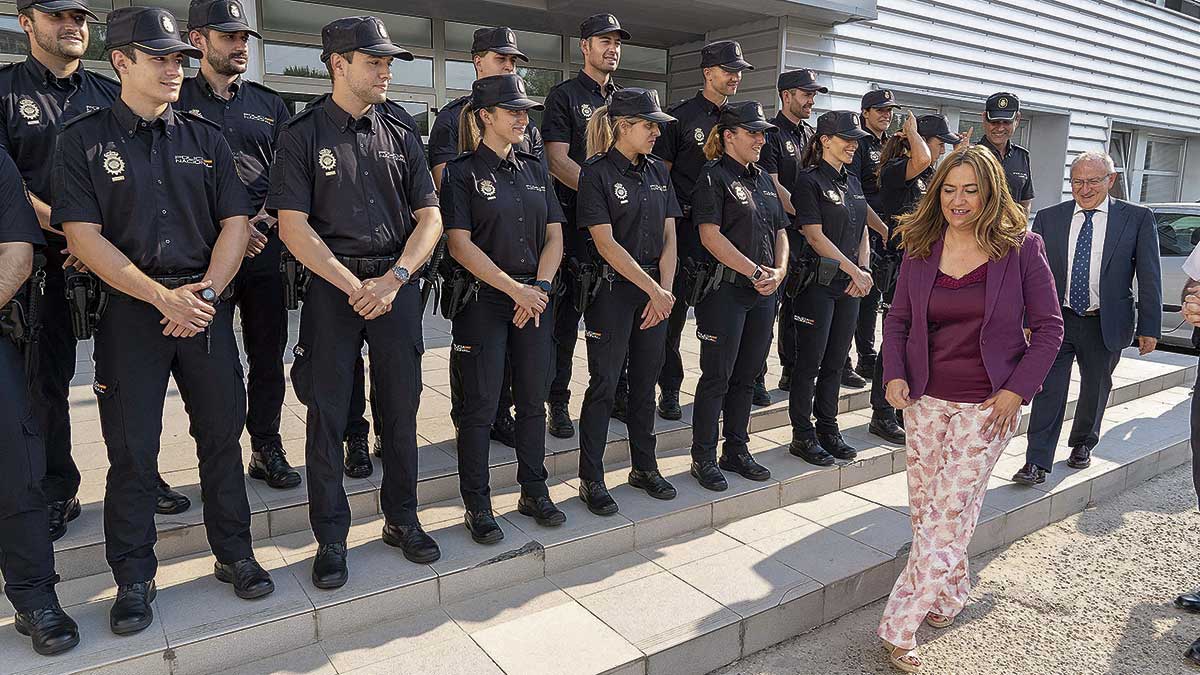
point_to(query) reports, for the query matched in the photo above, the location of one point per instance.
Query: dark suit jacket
(1020, 292)
(1130, 250)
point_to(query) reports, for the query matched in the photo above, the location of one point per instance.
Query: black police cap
(724, 53)
(602, 24)
(148, 29)
(636, 102)
(937, 126)
(748, 115)
(841, 123)
(1003, 106)
(506, 91)
(226, 16)
(51, 6)
(365, 34)
(800, 79)
(500, 40)
(879, 98)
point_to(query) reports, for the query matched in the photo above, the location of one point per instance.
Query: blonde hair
(714, 146)
(470, 128)
(999, 226)
(603, 130)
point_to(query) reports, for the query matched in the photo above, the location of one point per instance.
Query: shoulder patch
(461, 157)
(594, 158)
(75, 120)
(397, 113)
(677, 105)
(197, 118)
(300, 115)
(1020, 148)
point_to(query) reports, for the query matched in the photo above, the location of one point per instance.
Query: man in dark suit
(1097, 246)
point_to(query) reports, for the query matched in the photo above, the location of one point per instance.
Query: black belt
(612, 274)
(730, 276)
(367, 267)
(1090, 312)
(170, 282)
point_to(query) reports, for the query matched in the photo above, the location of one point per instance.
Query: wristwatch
(758, 273)
(209, 295)
(401, 273)
(546, 286)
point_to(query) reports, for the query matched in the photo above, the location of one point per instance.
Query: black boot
(170, 502)
(785, 380)
(358, 457)
(269, 463)
(884, 426)
(762, 397)
(744, 465)
(417, 546)
(668, 405)
(836, 446)
(483, 527)
(60, 514)
(709, 476)
(542, 510)
(53, 632)
(809, 450)
(249, 579)
(504, 429)
(852, 379)
(653, 483)
(595, 496)
(131, 611)
(559, 424)
(329, 568)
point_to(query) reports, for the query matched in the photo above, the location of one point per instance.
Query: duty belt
(731, 276)
(171, 282)
(368, 266)
(607, 272)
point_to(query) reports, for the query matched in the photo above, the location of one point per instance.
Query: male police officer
(569, 106)
(1001, 118)
(48, 89)
(348, 182)
(781, 158)
(681, 146)
(150, 200)
(250, 116)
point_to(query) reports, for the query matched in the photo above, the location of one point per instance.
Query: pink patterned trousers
(948, 466)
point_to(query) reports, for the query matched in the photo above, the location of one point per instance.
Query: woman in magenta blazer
(958, 362)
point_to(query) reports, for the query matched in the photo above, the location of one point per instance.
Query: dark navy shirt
(834, 200)
(1016, 169)
(358, 180)
(505, 203)
(18, 222)
(443, 136)
(636, 199)
(159, 190)
(682, 142)
(743, 201)
(250, 120)
(865, 165)
(569, 106)
(897, 194)
(784, 150)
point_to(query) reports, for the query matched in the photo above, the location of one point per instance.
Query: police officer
(357, 206)
(832, 212)
(569, 106)
(26, 554)
(628, 205)
(39, 94)
(878, 106)
(780, 158)
(505, 228)
(741, 223)
(1001, 117)
(250, 116)
(151, 202)
(681, 146)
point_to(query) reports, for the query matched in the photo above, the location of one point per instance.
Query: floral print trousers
(948, 466)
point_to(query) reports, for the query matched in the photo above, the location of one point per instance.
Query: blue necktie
(1080, 298)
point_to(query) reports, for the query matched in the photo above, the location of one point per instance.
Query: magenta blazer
(1020, 293)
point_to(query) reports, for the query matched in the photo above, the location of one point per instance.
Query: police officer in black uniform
(151, 202)
(505, 228)
(832, 212)
(39, 94)
(781, 160)
(357, 206)
(627, 203)
(681, 146)
(26, 554)
(1001, 117)
(250, 116)
(569, 106)
(741, 223)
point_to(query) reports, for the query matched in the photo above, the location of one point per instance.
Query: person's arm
(874, 222)
(561, 165)
(669, 259)
(42, 209)
(529, 299)
(233, 210)
(16, 264)
(896, 325)
(919, 156)
(302, 241)
(785, 195)
(1149, 282)
(1043, 316)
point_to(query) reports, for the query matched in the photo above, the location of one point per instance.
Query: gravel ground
(1089, 594)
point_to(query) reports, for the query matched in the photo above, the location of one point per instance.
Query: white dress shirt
(1099, 225)
(1191, 266)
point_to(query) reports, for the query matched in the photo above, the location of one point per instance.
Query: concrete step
(281, 512)
(664, 587)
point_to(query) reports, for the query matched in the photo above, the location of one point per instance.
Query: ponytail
(813, 152)
(714, 147)
(896, 146)
(600, 133)
(470, 128)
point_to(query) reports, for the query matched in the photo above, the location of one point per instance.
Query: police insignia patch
(874, 155)
(487, 189)
(740, 192)
(834, 196)
(327, 161)
(698, 134)
(586, 111)
(620, 192)
(1003, 103)
(234, 10)
(791, 147)
(382, 30)
(114, 165)
(29, 110)
(167, 24)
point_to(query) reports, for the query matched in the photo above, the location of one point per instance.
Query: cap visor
(952, 139)
(758, 125)
(1001, 115)
(509, 51)
(164, 46)
(387, 49)
(232, 28)
(521, 104)
(660, 117)
(736, 66)
(64, 6)
(852, 135)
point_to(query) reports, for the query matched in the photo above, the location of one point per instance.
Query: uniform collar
(707, 105)
(494, 161)
(623, 164)
(831, 173)
(234, 88)
(43, 75)
(1102, 208)
(130, 122)
(735, 167)
(344, 121)
(592, 85)
(1002, 155)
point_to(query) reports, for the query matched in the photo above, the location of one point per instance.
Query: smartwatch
(758, 273)
(546, 286)
(401, 273)
(209, 295)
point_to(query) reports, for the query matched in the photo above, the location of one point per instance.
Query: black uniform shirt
(865, 165)
(358, 180)
(250, 120)
(1016, 169)
(636, 199)
(443, 136)
(898, 195)
(158, 189)
(18, 222)
(835, 200)
(682, 142)
(569, 106)
(784, 149)
(504, 203)
(743, 201)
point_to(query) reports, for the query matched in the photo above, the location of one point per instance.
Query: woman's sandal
(938, 620)
(902, 659)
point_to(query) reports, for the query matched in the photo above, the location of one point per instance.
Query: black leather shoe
(785, 380)
(542, 510)
(620, 409)
(53, 632)
(809, 450)
(131, 611)
(269, 464)
(836, 446)
(169, 502)
(865, 368)
(885, 427)
(709, 475)
(249, 579)
(852, 379)
(358, 457)
(653, 483)
(483, 527)
(329, 568)
(595, 496)
(417, 546)
(1189, 602)
(668, 405)
(377, 448)
(744, 465)
(1081, 457)
(1192, 654)
(762, 397)
(504, 429)
(60, 514)
(1030, 474)
(559, 424)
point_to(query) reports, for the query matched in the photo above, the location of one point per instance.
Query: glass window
(305, 61)
(14, 41)
(179, 8)
(1178, 233)
(420, 111)
(1160, 188)
(307, 17)
(538, 81)
(537, 46)
(660, 87)
(459, 74)
(1163, 154)
(633, 57)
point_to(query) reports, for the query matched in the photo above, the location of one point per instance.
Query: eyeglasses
(1090, 182)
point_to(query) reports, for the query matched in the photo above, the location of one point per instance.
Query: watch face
(208, 295)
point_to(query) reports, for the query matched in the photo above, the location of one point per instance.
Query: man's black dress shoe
(417, 546)
(504, 429)
(836, 446)
(745, 466)
(809, 450)
(542, 510)
(269, 464)
(329, 568)
(131, 611)
(170, 502)
(595, 496)
(1081, 457)
(762, 397)
(852, 379)
(1192, 654)
(709, 475)
(53, 632)
(668, 405)
(60, 514)
(884, 426)
(653, 483)
(483, 527)
(1189, 602)
(249, 579)
(559, 422)
(358, 457)
(1030, 474)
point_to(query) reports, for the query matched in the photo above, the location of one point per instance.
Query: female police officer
(504, 226)
(628, 205)
(741, 223)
